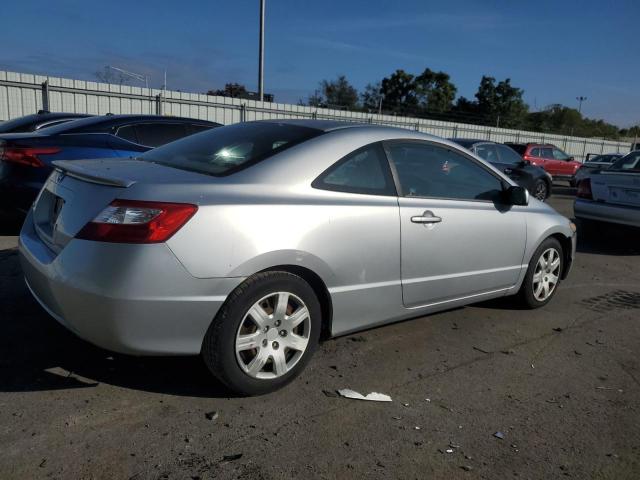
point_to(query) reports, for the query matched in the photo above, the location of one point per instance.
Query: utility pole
(261, 54)
(580, 100)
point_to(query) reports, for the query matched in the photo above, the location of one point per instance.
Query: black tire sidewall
(527, 285)
(219, 344)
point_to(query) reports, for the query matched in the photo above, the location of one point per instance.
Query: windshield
(225, 150)
(630, 162)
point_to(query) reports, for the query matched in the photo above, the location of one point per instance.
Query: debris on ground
(466, 468)
(508, 352)
(499, 435)
(359, 338)
(397, 418)
(213, 415)
(428, 400)
(372, 397)
(330, 393)
(449, 450)
(482, 350)
(231, 458)
(558, 329)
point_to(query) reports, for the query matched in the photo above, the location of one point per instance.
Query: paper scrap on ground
(373, 396)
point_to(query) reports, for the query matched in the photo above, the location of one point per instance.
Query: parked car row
(27, 153)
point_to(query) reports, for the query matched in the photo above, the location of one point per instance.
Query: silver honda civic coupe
(248, 243)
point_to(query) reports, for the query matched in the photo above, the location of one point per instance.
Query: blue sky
(554, 50)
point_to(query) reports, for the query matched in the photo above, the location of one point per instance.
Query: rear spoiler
(76, 170)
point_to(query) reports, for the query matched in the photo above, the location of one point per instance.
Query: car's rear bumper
(135, 299)
(607, 212)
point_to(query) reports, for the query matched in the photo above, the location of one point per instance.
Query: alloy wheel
(546, 274)
(273, 335)
(541, 191)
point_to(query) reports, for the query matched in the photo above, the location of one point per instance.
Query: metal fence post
(488, 134)
(417, 127)
(243, 112)
(314, 115)
(159, 104)
(45, 96)
(455, 131)
(584, 149)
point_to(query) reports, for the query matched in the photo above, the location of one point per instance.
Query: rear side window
(560, 155)
(535, 152)
(225, 150)
(364, 171)
(487, 152)
(630, 162)
(156, 134)
(128, 132)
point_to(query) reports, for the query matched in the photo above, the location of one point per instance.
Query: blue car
(25, 158)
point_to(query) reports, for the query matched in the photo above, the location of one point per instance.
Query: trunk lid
(76, 191)
(616, 187)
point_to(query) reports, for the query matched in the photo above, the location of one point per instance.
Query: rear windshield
(630, 162)
(225, 150)
(20, 124)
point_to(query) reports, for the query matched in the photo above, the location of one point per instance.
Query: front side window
(560, 155)
(508, 155)
(225, 150)
(426, 170)
(488, 152)
(547, 153)
(365, 171)
(535, 152)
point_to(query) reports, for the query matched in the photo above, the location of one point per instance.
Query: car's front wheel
(543, 274)
(264, 334)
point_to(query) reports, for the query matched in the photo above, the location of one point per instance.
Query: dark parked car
(593, 163)
(25, 158)
(560, 165)
(505, 159)
(42, 119)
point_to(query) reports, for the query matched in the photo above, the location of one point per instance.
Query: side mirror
(571, 159)
(524, 163)
(517, 195)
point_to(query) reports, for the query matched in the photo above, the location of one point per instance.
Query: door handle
(508, 171)
(426, 217)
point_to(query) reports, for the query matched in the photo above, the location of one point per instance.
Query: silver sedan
(249, 243)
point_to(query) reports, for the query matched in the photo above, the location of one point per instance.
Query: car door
(562, 162)
(457, 239)
(535, 157)
(550, 163)
(511, 164)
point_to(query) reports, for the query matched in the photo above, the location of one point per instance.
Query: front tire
(543, 274)
(264, 334)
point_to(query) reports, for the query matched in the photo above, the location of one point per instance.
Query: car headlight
(573, 227)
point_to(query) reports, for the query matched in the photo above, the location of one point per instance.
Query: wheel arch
(319, 288)
(565, 243)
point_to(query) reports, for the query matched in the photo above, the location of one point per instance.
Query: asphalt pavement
(486, 391)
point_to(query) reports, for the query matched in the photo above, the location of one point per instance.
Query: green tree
(371, 96)
(399, 92)
(501, 104)
(339, 93)
(434, 91)
(233, 90)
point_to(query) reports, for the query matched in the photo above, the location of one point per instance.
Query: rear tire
(543, 274)
(541, 190)
(254, 345)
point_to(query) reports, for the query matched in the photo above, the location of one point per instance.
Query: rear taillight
(584, 189)
(136, 221)
(27, 155)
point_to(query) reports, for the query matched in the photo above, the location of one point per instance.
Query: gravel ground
(561, 384)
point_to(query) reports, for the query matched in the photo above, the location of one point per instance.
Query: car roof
(471, 141)
(104, 122)
(323, 125)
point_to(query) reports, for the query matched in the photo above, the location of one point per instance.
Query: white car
(612, 195)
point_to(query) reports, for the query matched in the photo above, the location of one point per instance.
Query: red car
(555, 162)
